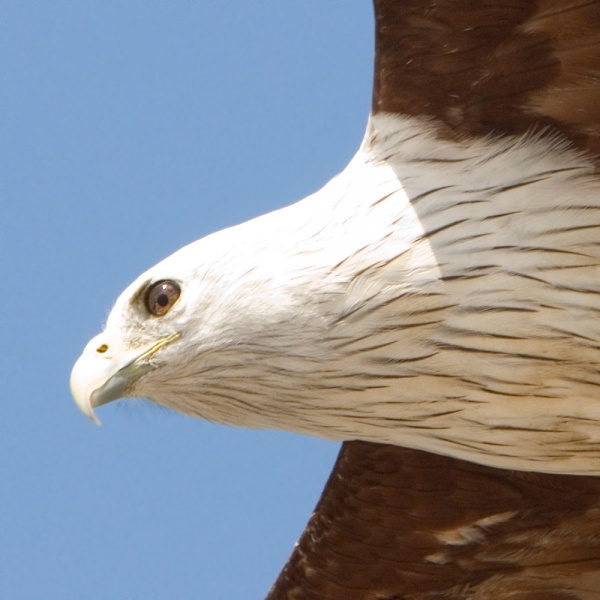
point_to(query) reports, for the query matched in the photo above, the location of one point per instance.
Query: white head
(243, 326)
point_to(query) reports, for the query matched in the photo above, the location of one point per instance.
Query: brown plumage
(396, 524)
(491, 67)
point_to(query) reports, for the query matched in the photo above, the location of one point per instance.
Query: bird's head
(134, 342)
(259, 325)
(206, 316)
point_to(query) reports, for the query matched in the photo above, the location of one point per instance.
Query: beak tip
(86, 409)
(93, 418)
(80, 395)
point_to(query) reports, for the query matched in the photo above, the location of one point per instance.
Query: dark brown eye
(161, 296)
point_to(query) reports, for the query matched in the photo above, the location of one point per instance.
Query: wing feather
(395, 523)
(492, 67)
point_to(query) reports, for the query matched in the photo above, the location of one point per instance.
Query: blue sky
(129, 130)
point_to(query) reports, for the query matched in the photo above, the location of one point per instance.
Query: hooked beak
(100, 376)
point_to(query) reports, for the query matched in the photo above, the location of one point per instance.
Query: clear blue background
(128, 130)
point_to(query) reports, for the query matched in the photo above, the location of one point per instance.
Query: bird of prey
(436, 306)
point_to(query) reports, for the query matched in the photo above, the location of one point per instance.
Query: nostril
(102, 349)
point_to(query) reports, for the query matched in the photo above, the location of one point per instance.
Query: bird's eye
(161, 296)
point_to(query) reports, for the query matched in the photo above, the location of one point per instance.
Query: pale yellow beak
(100, 375)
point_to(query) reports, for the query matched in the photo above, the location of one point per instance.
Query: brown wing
(398, 524)
(492, 66)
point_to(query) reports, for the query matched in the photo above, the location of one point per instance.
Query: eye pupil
(163, 300)
(161, 296)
